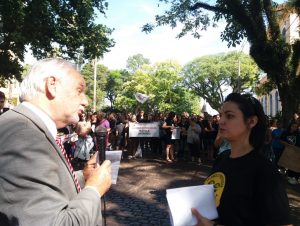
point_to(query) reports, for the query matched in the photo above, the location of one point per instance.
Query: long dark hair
(171, 115)
(250, 106)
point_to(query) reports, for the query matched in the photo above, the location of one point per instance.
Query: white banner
(150, 129)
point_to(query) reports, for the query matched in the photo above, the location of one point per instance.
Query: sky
(128, 16)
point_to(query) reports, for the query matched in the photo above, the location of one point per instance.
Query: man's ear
(252, 121)
(50, 87)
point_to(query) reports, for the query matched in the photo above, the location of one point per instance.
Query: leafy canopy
(46, 25)
(213, 75)
(259, 22)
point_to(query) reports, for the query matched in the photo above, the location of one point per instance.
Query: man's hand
(98, 176)
(90, 166)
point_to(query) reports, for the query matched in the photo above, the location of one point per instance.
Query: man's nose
(85, 102)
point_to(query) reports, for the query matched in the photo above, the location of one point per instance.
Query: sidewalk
(139, 197)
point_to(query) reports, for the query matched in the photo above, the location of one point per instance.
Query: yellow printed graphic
(218, 180)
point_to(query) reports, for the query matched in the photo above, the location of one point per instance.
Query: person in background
(112, 119)
(292, 136)
(266, 149)
(103, 122)
(168, 125)
(209, 135)
(193, 140)
(248, 188)
(184, 125)
(133, 142)
(276, 143)
(85, 142)
(94, 121)
(37, 182)
(158, 141)
(120, 133)
(220, 145)
(2, 103)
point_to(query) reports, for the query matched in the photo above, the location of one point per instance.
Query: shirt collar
(43, 116)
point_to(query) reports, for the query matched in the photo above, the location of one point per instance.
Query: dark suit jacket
(36, 185)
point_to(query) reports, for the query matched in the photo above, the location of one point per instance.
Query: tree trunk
(287, 103)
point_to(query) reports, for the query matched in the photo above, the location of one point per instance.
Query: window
(276, 102)
(271, 104)
(266, 105)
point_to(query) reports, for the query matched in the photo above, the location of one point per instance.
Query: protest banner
(144, 129)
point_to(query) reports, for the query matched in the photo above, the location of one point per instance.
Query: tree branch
(273, 25)
(209, 7)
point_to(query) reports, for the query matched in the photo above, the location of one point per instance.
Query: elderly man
(37, 183)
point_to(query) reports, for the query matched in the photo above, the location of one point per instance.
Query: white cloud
(162, 44)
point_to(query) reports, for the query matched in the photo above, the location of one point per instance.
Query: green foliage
(136, 62)
(258, 21)
(113, 86)
(211, 76)
(163, 84)
(180, 13)
(46, 26)
(101, 80)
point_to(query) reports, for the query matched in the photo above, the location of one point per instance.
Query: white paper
(181, 200)
(175, 133)
(115, 158)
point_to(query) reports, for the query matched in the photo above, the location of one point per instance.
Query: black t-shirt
(169, 122)
(249, 191)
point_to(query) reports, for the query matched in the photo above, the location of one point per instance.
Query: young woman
(248, 188)
(169, 126)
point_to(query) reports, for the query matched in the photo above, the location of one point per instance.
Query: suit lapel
(41, 125)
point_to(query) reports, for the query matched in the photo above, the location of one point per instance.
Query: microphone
(101, 133)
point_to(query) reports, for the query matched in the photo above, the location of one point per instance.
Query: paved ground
(139, 197)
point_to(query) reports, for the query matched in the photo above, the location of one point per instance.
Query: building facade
(289, 27)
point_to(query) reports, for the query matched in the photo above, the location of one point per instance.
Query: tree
(88, 74)
(211, 76)
(46, 25)
(136, 62)
(258, 21)
(163, 84)
(168, 91)
(139, 82)
(113, 85)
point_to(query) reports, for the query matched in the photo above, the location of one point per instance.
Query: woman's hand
(201, 221)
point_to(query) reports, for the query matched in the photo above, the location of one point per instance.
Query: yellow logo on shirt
(218, 180)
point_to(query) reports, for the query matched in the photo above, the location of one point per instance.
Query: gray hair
(34, 82)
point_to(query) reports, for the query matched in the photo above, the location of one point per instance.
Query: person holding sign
(248, 188)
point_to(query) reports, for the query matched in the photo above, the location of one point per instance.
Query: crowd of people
(195, 143)
(40, 187)
(199, 138)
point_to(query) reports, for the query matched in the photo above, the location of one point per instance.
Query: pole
(95, 84)
(239, 76)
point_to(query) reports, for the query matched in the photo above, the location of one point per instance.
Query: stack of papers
(115, 158)
(181, 200)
